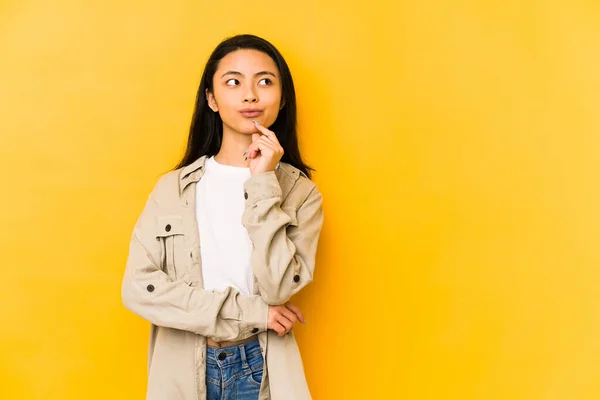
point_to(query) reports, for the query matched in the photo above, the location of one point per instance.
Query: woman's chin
(249, 130)
(244, 127)
(248, 127)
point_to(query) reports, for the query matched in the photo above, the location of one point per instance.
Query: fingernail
(255, 121)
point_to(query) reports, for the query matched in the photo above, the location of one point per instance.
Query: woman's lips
(251, 114)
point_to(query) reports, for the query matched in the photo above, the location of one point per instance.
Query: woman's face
(246, 86)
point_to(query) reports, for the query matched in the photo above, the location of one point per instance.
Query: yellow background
(456, 144)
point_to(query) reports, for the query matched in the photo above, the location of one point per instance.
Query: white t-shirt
(224, 242)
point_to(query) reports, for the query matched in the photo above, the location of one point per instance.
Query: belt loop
(243, 355)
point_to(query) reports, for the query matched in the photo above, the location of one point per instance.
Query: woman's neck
(232, 148)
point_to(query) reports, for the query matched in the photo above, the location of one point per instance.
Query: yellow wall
(457, 149)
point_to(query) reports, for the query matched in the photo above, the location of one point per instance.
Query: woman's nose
(250, 96)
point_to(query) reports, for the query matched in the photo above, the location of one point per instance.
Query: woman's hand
(282, 318)
(265, 151)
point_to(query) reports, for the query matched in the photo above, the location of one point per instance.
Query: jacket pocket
(170, 234)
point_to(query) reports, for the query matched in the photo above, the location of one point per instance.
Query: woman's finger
(253, 150)
(256, 145)
(270, 141)
(289, 315)
(280, 329)
(296, 310)
(262, 145)
(268, 144)
(285, 322)
(266, 132)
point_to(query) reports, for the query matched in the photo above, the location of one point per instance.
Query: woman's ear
(210, 99)
(282, 104)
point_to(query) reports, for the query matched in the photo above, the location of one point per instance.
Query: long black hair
(206, 130)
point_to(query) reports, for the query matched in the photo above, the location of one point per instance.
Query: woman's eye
(232, 82)
(266, 82)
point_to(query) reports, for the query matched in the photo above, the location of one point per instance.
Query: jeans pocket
(256, 365)
(255, 377)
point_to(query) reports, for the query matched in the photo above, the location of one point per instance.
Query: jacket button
(296, 278)
(246, 195)
(255, 330)
(168, 228)
(150, 288)
(222, 356)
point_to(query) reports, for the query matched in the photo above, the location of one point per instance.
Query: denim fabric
(237, 375)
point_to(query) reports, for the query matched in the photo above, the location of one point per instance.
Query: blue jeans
(234, 372)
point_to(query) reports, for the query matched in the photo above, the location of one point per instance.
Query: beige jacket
(163, 280)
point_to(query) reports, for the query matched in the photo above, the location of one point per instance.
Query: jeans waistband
(233, 354)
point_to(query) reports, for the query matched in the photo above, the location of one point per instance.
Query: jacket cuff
(261, 187)
(255, 315)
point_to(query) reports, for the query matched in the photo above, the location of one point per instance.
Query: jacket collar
(287, 175)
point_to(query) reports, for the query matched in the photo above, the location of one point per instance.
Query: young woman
(227, 238)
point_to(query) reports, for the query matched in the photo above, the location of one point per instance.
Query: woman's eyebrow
(237, 73)
(265, 73)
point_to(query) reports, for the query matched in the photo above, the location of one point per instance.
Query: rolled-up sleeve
(284, 251)
(150, 293)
